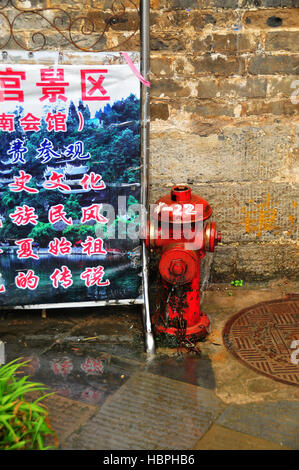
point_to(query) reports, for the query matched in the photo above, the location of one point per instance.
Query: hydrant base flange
(199, 330)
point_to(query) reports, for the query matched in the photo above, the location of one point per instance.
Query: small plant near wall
(24, 423)
(236, 283)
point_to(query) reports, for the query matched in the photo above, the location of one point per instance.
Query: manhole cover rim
(227, 330)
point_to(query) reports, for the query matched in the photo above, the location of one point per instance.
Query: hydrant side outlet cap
(178, 266)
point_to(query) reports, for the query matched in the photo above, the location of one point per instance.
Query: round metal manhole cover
(265, 337)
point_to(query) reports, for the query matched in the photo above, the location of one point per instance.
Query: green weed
(23, 424)
(237, 283)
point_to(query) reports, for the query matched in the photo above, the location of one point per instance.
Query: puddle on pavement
(71, 372)
(86, 355)
(195, 370)
(89, 374)
(65, 352)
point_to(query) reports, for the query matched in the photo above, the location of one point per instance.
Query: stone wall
(224, 114)
(224, 119)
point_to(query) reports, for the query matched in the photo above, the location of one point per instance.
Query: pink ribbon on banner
(134, 70)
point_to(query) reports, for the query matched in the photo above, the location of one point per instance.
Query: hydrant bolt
(177, 267)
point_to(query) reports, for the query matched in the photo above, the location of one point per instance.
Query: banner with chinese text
(69, 173)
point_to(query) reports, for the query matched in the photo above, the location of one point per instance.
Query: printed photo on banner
(69, 172)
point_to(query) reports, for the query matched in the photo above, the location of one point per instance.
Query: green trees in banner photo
(111, 138)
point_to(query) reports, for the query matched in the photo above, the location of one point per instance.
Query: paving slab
(149, 412)
(196, 370)
(66, 415)
(277, 422)
(220, 438)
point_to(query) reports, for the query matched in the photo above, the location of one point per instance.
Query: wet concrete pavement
(109, 396)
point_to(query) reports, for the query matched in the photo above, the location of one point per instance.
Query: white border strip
(99, 303)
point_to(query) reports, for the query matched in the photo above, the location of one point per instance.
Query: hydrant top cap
(180, 193)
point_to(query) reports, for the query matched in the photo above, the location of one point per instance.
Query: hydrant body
(181, 234)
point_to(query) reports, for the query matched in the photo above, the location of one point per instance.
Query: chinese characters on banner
(69, 138)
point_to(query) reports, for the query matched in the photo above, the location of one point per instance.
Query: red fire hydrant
(180, 233)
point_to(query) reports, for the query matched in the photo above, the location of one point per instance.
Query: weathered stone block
(117, 40)
(222, 3)
(278, 106)
(283, 86)
(170, 20)
(169, 88)
(238, 87)
(232, 154)
(254, 212)
(282, 41)
(158, 4)
(184, 67)
(181, 4)
(159, 111)
(174, 43)
(272, 64)
(162, 66)
(197, 20)
(253, 262)
(226, 42)
(210, 109)
(105, 4)
(129, 21)
(213, 19)
(268, 3)
(266, 19)
(219, 64)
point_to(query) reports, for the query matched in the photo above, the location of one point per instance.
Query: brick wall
(224, 119)
(224, 115)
